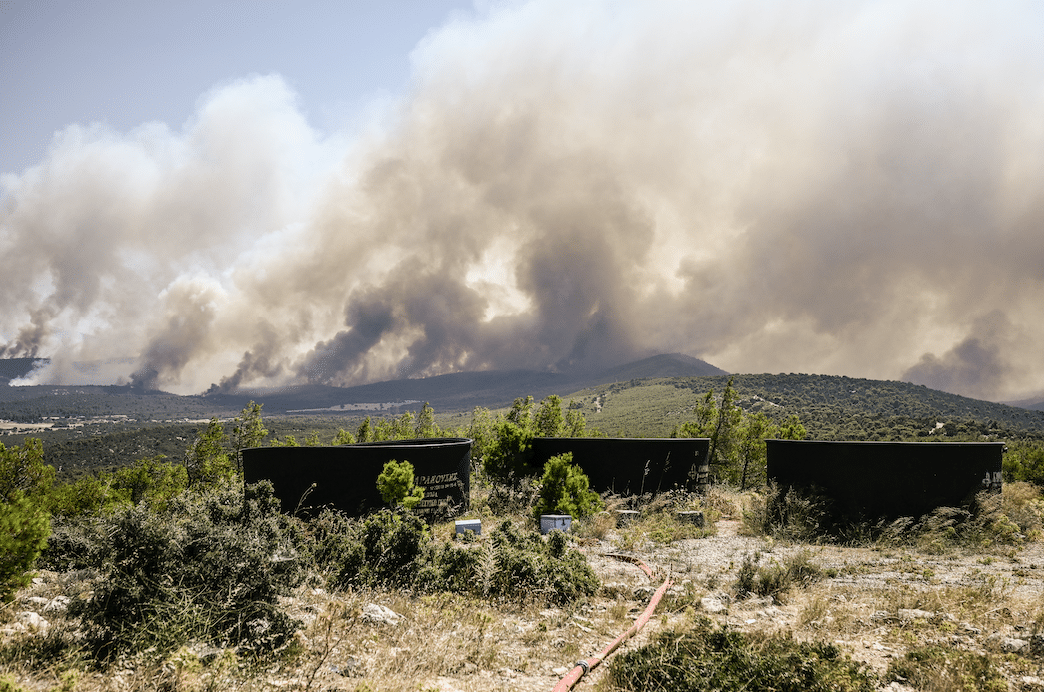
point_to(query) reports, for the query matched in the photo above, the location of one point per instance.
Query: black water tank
(629, 466)
(345, 476)
(885, 480)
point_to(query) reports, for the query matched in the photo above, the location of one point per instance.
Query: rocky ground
(876, 603)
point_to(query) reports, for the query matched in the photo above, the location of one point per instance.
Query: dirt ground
(875, 603)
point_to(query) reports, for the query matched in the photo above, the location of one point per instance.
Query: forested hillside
(101, 427)
(831, 407)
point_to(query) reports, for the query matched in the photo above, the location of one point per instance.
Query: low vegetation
(166, 573)
(946, 668)
(775, 579)
(994, 520)
(713, 658)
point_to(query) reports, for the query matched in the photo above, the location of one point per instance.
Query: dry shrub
(983, 600)
(814, 612)
(946, 669)
(1008, 518)
(597, 527)
(659, 522)
(776, 579)
(726, 502)
(787, 514)
(1021, 502)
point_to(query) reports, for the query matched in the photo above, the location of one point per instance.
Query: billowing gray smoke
(848, 188)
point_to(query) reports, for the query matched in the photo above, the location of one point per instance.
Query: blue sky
(127, 62)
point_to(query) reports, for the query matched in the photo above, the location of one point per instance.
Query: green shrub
(87, 495)
(397, 551)
(210, 568)
(24, 528)
(387, 549)
(529, 566)
(74, 542)
(396, 486)
(564, 489)
(208, 460)
(707, 658)
(1024, 461)
(513, 499)
(508, 458)
(23, 471)
(151, 480)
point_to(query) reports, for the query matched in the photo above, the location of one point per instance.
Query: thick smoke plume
(848, 188)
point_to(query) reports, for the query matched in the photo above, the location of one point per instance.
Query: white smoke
(846, 188)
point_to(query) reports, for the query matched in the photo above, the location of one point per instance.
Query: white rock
(1010, 645)
(379, 614)
(643, 593)
(32, 620)
(58, 604)
(712, 604)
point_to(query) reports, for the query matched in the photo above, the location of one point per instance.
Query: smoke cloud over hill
(848, 188)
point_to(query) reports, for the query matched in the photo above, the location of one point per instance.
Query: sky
(201, 196)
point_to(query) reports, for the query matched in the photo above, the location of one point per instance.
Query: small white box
(550, 522)
(466, 524)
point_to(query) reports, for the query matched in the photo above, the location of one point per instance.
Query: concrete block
(550, 522)
(466, 524)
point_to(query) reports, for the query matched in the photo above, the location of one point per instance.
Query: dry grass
(972, 600)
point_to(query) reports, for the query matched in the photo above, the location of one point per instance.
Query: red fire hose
(585, 666)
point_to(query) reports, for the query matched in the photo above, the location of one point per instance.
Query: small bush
(396, 486)
(210, 569)
(387, 549)
(709, 658)
(397, 551)
(24, 528)
(994, 519)
(23, 471)
(946, 669)
(1007, 518)
(507, 459)
(775, 579)
(788, 514)
(504, 499)
(1015, 514)
(659, 521)
(565, 489)
(529, 566)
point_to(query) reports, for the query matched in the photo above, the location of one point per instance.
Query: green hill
(831, 407)
(86, 427)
